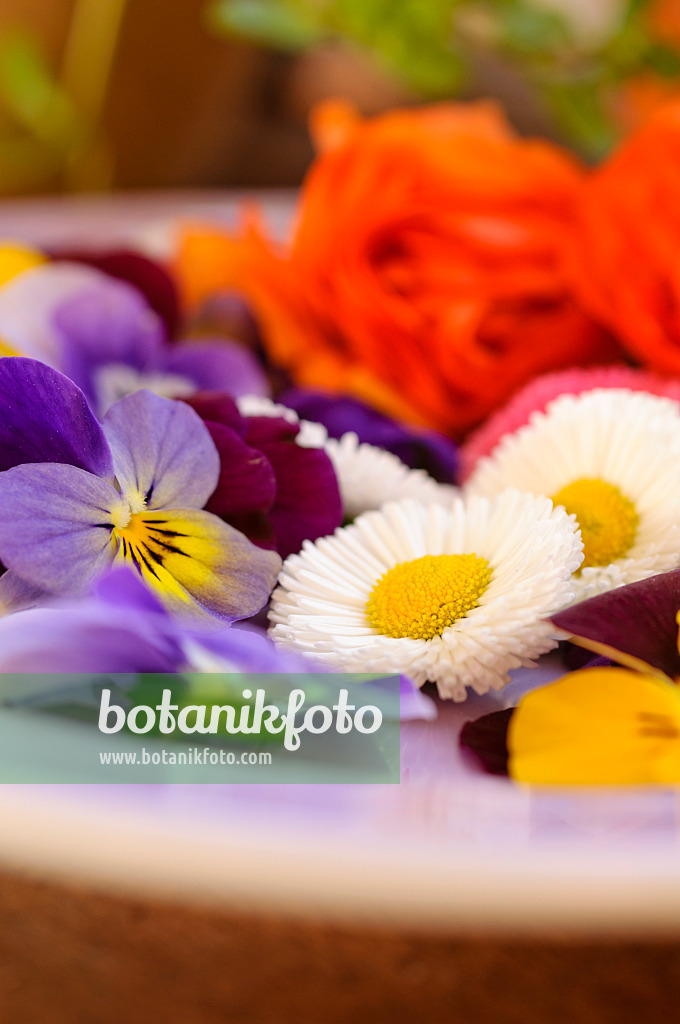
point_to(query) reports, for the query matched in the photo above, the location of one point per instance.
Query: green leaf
(266, 22)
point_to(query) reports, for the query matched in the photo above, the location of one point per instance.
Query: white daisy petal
(532, 549)
(629, 440)
(369, 476)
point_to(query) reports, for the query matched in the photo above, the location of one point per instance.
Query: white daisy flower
(368, 476)
(611, 458)
(456, 595)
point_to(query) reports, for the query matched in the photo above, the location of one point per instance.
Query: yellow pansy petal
(599, 726)
(197, 563)
(15, 259)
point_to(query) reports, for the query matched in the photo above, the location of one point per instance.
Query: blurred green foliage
(43, 128)
(431, 46)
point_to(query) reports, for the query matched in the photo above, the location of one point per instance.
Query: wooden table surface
(70, 955)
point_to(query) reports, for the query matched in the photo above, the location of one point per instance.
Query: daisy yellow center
(607, 518)
(419, 599)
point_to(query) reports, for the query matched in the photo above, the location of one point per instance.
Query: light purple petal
(16, 594)
(46, 418)
(245, 649)
(162, 451)
(91, 638)
(104, 324)
(27, 304)
(413, 703)
(124, 588)
(55, 526)
(218, 366)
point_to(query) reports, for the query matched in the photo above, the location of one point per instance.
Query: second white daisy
(612, 459)
(456, 595)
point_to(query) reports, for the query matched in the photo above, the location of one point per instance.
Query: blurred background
(193, 93)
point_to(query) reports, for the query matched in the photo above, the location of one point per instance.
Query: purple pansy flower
(102, 334)
(418, 449)
(277, 492)
(76, 497)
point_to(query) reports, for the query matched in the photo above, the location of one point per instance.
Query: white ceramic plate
(449, 847)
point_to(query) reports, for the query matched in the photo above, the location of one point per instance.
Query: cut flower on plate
(611, 725)
(611, 458)
(456, 595)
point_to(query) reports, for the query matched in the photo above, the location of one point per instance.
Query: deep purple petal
(104, 324)
(162, 451)
(308, 503)
(246, 482)
(218, 365)
(487, 739)
(419, 449)
(147, 276)
(55, 526)
(638, 619)
(46, 418)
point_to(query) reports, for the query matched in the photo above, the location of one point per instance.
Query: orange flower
(627, 264)
(426, 273)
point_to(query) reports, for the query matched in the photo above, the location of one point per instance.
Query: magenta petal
(218, 408)
(308, 503)
(638, 619)
(46, 418)
(262, 430)
(247, 482)
(487, 740)
(56, 526)
(219, 365)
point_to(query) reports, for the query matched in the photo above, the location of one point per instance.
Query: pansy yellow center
(153, 545)
(421, 598)
(607, 518)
